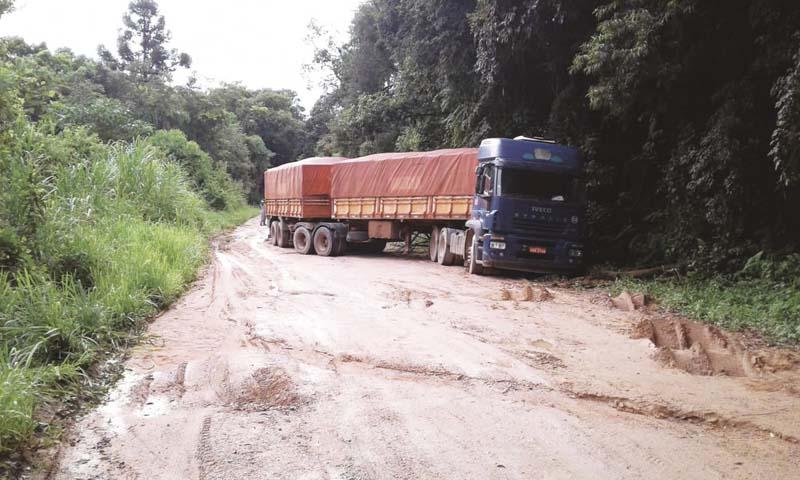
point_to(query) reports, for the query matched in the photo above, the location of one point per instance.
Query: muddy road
(279, 366)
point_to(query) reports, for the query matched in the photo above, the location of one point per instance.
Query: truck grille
(541, 228)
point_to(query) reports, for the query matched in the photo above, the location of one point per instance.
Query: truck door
(485, 187)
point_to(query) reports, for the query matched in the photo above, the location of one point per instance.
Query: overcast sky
(258, 42)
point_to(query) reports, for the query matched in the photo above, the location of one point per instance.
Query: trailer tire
(433, 248)
(341, 245)
(445, 256)
(273, 233)
(284, 236)
(325, 243)
(303, 242)
(473, 267)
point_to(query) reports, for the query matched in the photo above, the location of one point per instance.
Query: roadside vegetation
(104, 220)
(762, 298)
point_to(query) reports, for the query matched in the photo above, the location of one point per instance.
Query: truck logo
(541, 210)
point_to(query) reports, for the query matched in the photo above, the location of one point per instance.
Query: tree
(142, 45)
(6, 6)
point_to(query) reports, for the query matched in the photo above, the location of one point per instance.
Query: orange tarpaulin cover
(306, 178)
(410, 174)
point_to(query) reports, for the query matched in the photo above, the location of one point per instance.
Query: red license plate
(537, 250)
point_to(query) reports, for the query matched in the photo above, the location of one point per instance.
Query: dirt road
(280, 366)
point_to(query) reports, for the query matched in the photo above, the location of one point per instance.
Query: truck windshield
(547, 186)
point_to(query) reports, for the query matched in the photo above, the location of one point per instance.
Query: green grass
(220, 221)
(51, 331)
(763, 298)
(94, 240)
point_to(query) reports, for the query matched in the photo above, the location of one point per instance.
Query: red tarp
(411, 174)
(306, 178)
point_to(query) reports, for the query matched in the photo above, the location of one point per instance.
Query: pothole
(266, 388)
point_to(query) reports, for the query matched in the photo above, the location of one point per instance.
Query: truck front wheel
(445, 256)
(303, 243)
(325, 242)
(473, 267)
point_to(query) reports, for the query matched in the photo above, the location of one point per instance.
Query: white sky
(260, 43)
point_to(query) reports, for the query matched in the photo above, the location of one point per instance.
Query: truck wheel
(433, 249)
(273, 233)
(284, 236)
(325, 243)
(303, 243)
(473, 267)
(445, 256)
(341, 246)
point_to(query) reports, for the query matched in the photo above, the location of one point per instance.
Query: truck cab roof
(530, 153)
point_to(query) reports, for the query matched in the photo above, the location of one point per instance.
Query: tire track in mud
(178, 384)
(654, 410)
(204, 449)
(658, 411)
(665, 412)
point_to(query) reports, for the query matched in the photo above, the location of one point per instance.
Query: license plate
(537, 250)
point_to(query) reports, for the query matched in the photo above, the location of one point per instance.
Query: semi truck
(511, 204)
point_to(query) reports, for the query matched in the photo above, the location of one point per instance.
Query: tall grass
(93, 239)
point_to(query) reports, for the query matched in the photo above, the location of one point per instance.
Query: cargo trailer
(298, 190)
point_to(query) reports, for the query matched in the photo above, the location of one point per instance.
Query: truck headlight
(497, 245)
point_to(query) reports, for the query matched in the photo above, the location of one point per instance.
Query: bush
(216, 186)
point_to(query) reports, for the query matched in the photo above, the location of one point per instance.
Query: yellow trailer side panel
(403, 208)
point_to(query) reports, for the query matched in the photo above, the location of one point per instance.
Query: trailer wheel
(433, 248)
(284, 236)
(303, 243)
(325, 243)
(341, 246)
(473, 267)
(445, 256)
(273, 233)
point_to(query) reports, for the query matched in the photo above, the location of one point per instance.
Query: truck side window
(487, 184)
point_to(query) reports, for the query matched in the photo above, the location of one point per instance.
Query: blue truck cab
(528, 212)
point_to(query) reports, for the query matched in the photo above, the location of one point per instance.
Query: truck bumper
(519, 254)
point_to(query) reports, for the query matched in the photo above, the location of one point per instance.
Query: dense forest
(688, 110)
